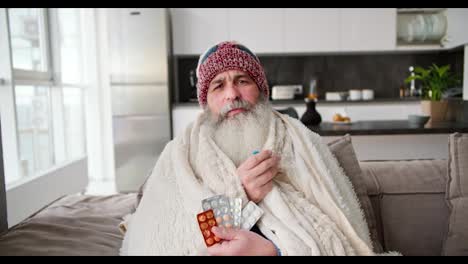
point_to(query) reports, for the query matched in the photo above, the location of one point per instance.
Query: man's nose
(232, 93)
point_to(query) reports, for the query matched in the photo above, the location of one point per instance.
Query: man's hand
(239, 242)
(257, 173)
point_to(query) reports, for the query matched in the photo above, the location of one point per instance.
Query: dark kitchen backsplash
(384, 73)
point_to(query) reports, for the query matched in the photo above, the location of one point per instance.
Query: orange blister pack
(206, 221)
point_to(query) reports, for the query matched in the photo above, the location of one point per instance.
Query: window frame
(51, 79)
(42, 76)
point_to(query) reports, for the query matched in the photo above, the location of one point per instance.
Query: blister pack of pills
(206, 221)
(221, 207)
(236, 211)
(221, 210)
(250, 215)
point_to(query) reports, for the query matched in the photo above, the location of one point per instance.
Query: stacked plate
(418, 28)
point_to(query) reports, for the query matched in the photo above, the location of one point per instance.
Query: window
(48, 70)
(29, 43)
(34, 128)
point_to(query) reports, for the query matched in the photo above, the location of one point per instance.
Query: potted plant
(435, 81)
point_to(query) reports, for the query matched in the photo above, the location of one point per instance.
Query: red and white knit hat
(228, 55)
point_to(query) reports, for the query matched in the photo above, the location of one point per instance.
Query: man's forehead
(231, 74)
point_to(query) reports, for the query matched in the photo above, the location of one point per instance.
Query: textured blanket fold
(312, 209)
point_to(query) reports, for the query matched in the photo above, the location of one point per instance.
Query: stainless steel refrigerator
(139, 41)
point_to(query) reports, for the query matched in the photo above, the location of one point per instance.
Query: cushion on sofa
(409, 204)
(344, 152)
(456, 242)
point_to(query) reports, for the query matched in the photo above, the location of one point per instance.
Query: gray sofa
(408, 198)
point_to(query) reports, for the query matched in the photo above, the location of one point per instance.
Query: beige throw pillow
(343, 150)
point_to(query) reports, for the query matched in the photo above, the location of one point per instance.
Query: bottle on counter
(402, 91)
(311, 117)
(407, 92)
(312, 93)
(412, 88)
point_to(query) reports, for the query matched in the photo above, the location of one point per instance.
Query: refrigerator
(139, 42)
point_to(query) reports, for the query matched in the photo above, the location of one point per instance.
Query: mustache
(234, 105)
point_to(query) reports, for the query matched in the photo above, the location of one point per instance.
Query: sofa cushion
(456, 242)
(405, 176)
(413, 223)
(409, 204)
(343, 150)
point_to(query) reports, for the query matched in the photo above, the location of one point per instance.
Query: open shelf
(419, 10)
(421, 28)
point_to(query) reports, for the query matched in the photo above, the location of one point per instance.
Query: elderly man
(309, 205)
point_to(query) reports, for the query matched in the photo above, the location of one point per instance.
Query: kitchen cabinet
(453, 25)
(305, 30)
(457, 33)
(311, 30)
(367, 29)
(261, 30)
(197, 29)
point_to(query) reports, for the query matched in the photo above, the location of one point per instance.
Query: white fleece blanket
(312, 209)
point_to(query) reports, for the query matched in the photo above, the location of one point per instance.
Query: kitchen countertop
(322, 102)
(391, 127)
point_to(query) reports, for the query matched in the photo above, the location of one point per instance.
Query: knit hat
(228, 55)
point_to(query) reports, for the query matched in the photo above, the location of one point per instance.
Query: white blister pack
(250, 215)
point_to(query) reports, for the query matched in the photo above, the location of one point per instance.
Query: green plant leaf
(420, 70)
(442, 71)
(435, 80)
(415, 77)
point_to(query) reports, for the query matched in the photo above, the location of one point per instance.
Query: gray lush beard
(240, 135)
